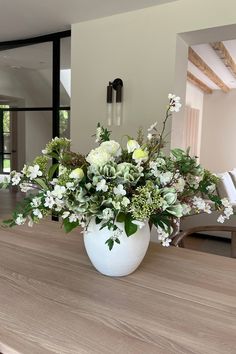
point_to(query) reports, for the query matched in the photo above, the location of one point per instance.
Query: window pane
(27, 75)
(65, 72)
(7, 142)
(6, 164)
(65, 124)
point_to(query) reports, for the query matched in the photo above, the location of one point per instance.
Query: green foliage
(69, 226)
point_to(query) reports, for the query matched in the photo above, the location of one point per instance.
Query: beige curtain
(191, 130)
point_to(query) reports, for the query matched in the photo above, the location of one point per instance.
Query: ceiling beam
(196, 60)
(195, 81)
(225, 56)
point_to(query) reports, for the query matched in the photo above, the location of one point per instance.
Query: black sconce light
(116, 85)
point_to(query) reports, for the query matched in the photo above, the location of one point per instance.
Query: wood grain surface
(53, 301)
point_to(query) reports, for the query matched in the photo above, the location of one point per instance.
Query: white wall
(139, 47)
(218, 145)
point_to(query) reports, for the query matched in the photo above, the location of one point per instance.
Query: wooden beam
(195, 81)
(225, 56)
(201, 65)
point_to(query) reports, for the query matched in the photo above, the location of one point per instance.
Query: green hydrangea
(146, 202)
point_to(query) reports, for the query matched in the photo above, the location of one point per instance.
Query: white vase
(124, 258)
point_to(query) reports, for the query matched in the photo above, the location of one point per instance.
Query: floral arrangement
(115, 184)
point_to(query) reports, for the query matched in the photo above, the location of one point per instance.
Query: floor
(203, 243)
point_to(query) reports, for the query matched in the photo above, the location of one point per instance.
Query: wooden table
(53, 301)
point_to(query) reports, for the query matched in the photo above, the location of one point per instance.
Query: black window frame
(55, 38)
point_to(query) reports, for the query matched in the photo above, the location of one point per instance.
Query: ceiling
(28, 18)
(212, 59)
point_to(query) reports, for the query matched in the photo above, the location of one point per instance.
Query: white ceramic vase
(124, 258)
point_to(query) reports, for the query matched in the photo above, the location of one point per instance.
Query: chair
(178, 239)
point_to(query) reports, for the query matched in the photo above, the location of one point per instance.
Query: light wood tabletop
(53, 301)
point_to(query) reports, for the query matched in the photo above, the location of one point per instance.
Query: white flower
(59, 204)
(116, 205)
(65, 214)
(119, 190)
(111, 147)
(149, 136)
(165, 177)
(152, 127)
(98, 134)
(125, 201)
(33, 172)
(174, 103)
(58, 191)
(179, 185)
(25, 187)
(73, 218)
(221, 219)
(211, 188)
(166, 242)
(107, 214)
(228, 212)
(225, 202)
(20, 220)
(36, 202)
(77, 173)
(116, 234)
(15, 178)
(44, 151)
(49, 200)
(140, 224)
(102, 186)
(186, 209)
(70, 186)
(38, 213)
(98, 157)
(132, 145)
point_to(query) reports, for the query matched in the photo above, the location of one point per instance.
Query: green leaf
(117, 240)
(97, 220)
(130, 228)
(69, 226)
(110, 243)
(121, 217)
(52, 170)
(41, 183)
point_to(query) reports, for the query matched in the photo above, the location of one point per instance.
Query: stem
(163, 129)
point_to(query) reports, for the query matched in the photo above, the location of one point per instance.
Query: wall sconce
(116, 85)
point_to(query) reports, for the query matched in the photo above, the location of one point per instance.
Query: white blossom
(15, 178)
(65, 214)
(73, 218)
(25, 187)
(166, 242)
(107, 214)
(111, 147)
(221, 219)
(174, 103)
(102, 186)
(58, 191)
(20, 220)
(152, 127)
(125, 201)
(36, 202)
(149, 136)
(38, 213)
(119, 190)
(33, 172)
(98, 134)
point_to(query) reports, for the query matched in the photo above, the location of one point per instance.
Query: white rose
(77, 173)
(111, 147)
(98, 157)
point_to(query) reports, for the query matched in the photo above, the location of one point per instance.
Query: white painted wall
(139, 47)
(218, 145)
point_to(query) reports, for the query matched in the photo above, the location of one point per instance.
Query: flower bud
(132, 145)
(78, 173)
